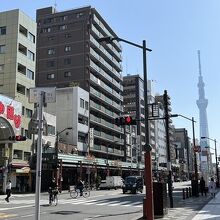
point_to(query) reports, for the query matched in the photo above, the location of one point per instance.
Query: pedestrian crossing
(86, 202)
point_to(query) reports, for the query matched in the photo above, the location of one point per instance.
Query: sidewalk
(210, 211)
(189, 209)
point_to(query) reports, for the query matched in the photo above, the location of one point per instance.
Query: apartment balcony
(105, 76)
(102, 109)
(105, 54)
(103, 136)
(105, 124)
(105, 99)
(103, 62)
(111, 151)
(105, 88)
(105, 30)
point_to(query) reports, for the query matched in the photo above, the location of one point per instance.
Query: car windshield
(130, 180)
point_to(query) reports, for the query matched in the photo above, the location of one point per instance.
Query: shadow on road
(64, 212)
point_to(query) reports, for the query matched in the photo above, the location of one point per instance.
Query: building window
(27, 156)
(68, 35)
(21, 69)
(48, 20)
(27, 134)
(46, 30)
(29, 113)
(50, 130)
(86, 105)
(22, 49)
(50, 63)
(64, 18)
(2, 67)
(30, 55)
(31, 37)
(50, 76)
(67, 48)
(17, 154)
(28, 93)
(23, 110)
(78, 15)
(50, 38)
(23, 30)
(67, 74)
(67, 61)
(30, 74)
(63, 27)
(20, 89)
(51, 51)
(3, 30)
(22, 131)
(2, 49)
(81, 103)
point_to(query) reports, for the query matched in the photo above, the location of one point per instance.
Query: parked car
(103, 184)
(133, 184)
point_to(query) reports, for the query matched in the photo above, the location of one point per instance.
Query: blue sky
(174, 30)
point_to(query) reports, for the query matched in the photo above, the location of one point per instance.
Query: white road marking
(18, 207)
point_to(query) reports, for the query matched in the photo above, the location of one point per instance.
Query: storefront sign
(11, 111)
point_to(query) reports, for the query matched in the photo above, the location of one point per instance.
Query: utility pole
(39, 156)
(167, 117)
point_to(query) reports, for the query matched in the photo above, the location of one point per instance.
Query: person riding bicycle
(52, 189)
(80, 186)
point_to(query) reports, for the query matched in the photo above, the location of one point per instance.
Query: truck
(114, 182)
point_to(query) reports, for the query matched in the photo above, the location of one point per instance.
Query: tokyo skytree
(202, 104)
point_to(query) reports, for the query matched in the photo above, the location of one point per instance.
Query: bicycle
(76, 192)
(53, 198)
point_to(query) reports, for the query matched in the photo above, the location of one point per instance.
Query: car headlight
(134, 185)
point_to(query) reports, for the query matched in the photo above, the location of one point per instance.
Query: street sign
(91, 137)
(50, 94)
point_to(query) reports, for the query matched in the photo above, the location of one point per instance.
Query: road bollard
(187, 193)
(190, 192)
(184, 194)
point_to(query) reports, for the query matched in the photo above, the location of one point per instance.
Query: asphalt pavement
(101, 205)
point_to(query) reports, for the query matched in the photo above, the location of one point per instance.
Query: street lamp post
(216, 159)
(148, 209)
(195, 157)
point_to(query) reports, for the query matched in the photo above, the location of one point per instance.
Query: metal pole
(195, 160)
(170, 188)
(148, 206)
(107, 162)
(39, 157)
(56, 156)
(216, 161)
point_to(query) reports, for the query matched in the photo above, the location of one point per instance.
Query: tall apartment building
(69, 54)
(183, 146)
(134, 106)
(17, 75)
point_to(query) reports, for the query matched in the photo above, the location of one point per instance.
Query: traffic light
(126, 120)
(17, 138)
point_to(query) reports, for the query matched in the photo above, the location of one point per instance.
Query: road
(101, 205)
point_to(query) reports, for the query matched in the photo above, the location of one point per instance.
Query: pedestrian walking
(202, 186)
(8, 191)
(212, 187)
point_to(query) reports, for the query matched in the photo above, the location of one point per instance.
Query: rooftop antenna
(200, 71)
(55, 4)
